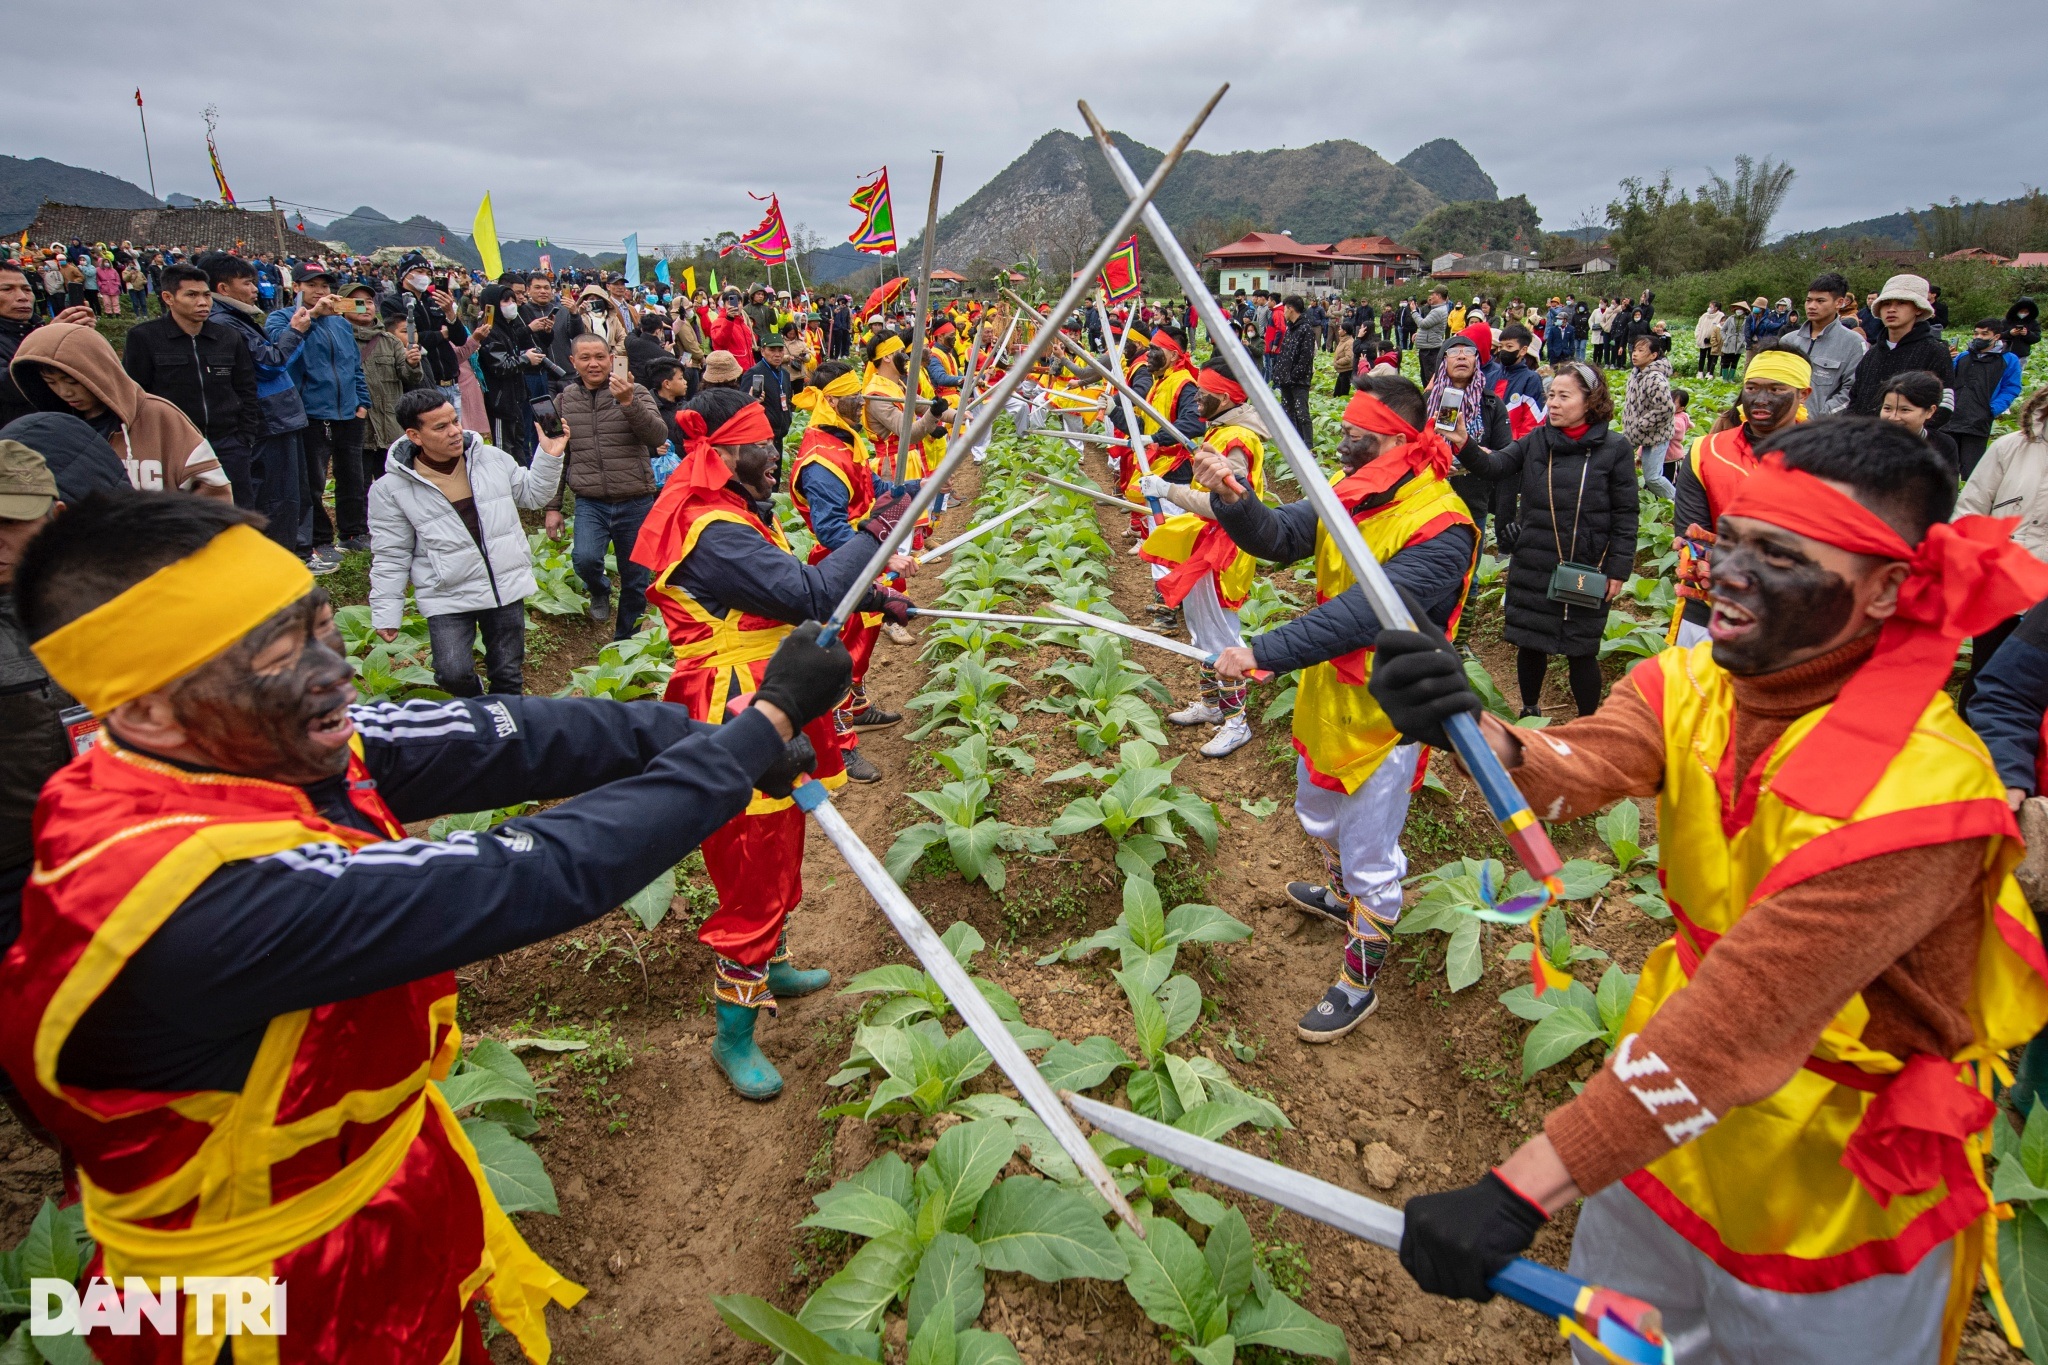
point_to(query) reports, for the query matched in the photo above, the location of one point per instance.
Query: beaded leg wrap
(747, 986)
(1366, 951)
(781, 953)
(1212, 687)
(1333, 869)
(1230, 697)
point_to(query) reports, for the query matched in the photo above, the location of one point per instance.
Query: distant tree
(1657, 229)
(1753, 200)
(2007, 228)
(1475, 225)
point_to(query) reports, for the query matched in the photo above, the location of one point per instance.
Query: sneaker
(858, 769)
(1234, 735)
(869, 717)
(1317, 902)
(319, 563)
(355, 544)
(1335, 1015)
(599, 610)
(898, 634)
(1197, 713)
(1136, 546)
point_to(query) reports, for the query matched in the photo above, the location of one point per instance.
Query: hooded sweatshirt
(153, 438)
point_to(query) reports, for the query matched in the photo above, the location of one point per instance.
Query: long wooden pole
(915, 374)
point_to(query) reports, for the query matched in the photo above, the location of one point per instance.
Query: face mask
(417, 281)
(508, 311)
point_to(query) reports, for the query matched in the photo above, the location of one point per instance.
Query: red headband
(702, 466)
(1217, 382)
(1163, 339)
(1964, 578)
(1420, 450)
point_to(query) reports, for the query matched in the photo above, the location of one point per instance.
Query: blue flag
(633, 259)
(661, 270)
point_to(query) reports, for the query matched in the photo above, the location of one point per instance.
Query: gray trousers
(1712, 1318)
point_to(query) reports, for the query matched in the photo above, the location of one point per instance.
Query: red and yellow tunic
(1764, 1190)
(336, 1168)
(1192, 547)
(1339, 730)
(841, 451)
(755, 861)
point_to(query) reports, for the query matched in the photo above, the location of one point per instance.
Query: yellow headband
(889, 348)
(845, 386)
(1780, 367)
(179, 618)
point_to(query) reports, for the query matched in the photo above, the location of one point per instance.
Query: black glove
(1458, 1240)
(887, 511)
(1418, 678)
(804, 680)
(896, 606)
(798, 758)
(940, 407)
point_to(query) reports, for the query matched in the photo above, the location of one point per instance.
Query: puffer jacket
(1541, 511)
(417, 537)
(2012, 481)
(610, 447)
(1648, 407)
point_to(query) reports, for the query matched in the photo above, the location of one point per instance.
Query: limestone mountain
(1449, 171)
(1054, 202)
(25, 184)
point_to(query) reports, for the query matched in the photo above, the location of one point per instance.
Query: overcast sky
(592, 119)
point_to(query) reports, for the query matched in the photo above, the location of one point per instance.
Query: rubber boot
(786, 982)
(740, 1058)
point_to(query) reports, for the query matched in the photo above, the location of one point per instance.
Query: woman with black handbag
(1566, 508)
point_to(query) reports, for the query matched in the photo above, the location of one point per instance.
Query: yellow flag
(689, 281)
(485, 231)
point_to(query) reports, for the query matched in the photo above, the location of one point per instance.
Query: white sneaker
(898, 634)
(1234, 734)
(1198, 713)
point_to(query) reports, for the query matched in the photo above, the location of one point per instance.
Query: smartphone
(548, 416)
(618, 366)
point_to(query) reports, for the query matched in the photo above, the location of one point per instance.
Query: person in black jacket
(767, 382)
(1294, 365)
(1567, 493)
(2022, 327)
(511, 361)
(17, 320)
(647, 343)
(436, 329)
(204, 367)
(1908, 342)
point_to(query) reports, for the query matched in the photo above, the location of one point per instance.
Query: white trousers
(1690, 634)
(1364, 828)
(1211, 625)
(1712, 1318)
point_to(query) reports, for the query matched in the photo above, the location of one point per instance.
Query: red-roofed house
(1273, 260)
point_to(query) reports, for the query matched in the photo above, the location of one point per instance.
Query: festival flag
(633, 260)
(485, 232)
(877, 231)
(1119, 276)
(661, 270)
(227, 196)
(768, 243)
(689, 281)
(546, 262)
(714, 284)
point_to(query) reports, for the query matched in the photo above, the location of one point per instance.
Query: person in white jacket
(444, 517)
(2010, 481)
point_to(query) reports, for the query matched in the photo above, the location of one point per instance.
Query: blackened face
(753, 468)
(1210, 405)
(1775, 604)
(276, 705)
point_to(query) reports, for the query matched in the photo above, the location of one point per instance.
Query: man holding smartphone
(614, 430)
(431, 315)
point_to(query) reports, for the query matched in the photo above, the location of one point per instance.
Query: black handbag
(1575, 585)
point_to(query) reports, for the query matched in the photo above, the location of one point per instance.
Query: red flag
(138, 97)
(877, 231)
(1119, 274)
(769, 243)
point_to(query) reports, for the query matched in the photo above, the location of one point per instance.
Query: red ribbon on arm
(1419, 450)
(1963, 578)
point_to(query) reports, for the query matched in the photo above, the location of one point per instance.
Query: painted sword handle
(1633, 1331)
(1518, 824)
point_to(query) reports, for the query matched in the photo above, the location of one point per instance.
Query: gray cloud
(590, 120)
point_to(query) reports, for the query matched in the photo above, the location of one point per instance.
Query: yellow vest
(1763, 1191)
(1338, 727)
(1174, 538)
(1164, 395)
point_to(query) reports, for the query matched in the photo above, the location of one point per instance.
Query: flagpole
(147, 160)
(914, 375)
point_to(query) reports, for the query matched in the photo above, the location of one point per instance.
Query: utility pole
(277, 221)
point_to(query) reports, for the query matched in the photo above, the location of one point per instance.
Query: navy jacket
(275, 392)
(2011, 697)
(321, 922)
(1433, 572)
(733, 567)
